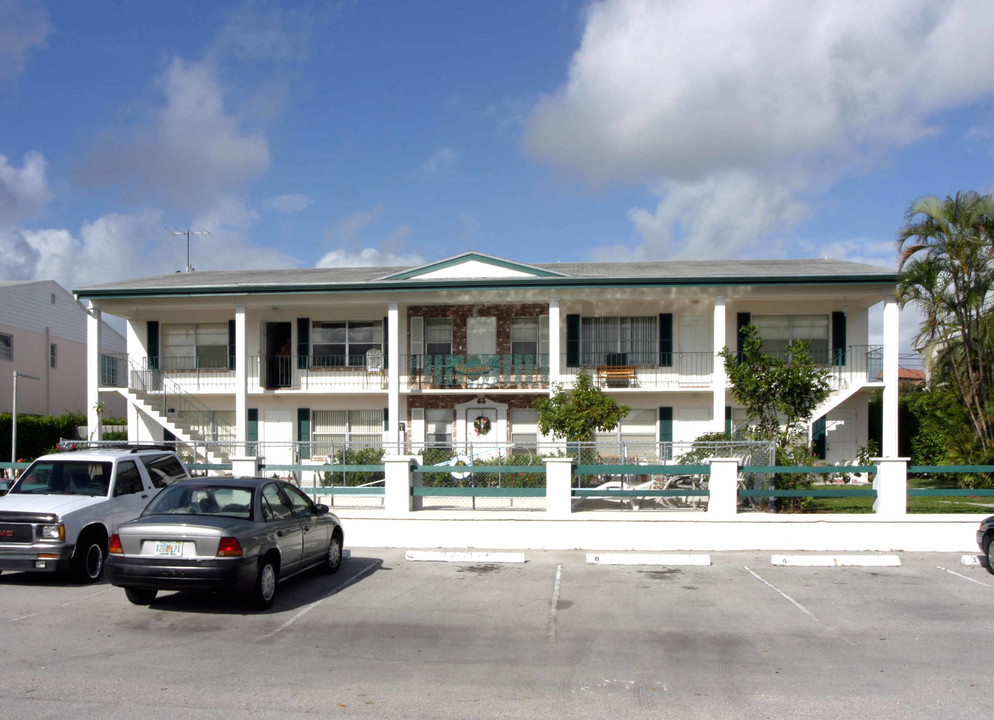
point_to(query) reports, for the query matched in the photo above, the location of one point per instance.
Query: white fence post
(397, 497)
(246, 466)
(891, 484)
(558, 486)
(723, 487)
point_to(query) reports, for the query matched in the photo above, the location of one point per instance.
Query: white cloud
(368, 257)
(289, 204)
(734, 112)
(444, 158)
(190, 152)
(24, 192)
(265, 31)
(348, 228)
(23, 28)
(715, 217)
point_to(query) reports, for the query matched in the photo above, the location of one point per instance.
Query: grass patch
(916, 505)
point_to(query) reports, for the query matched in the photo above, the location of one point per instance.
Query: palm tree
(947, 268)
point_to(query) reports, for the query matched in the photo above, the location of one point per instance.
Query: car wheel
(88, 560)
(990, 554)
(265, 584)
(333, 558)
(140, 596)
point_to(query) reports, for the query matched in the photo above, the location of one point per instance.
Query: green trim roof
(686, 273)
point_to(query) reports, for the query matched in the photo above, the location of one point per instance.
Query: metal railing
(452, 371)
(171, 401)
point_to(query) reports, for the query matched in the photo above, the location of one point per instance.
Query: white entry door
(695, 347)
(480, 433)
(276, 430)
(840, 435)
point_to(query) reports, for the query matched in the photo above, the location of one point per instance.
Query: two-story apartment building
(411, 355)
(43, 338)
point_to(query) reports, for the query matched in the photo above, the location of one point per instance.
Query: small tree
(575, 414)
(779, 394)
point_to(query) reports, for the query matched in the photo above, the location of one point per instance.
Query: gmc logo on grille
(6, 533)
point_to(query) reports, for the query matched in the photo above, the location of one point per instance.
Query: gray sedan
(242, 534)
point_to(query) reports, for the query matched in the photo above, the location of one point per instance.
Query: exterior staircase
(181, 414)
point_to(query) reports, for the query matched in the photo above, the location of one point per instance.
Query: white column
(891, 484)
(719, 380)
(397, 498)
(558, 487)
(723, 487)
(555, 347)
(241, 380)
(393, 376)
(892, 340)
(94, 423)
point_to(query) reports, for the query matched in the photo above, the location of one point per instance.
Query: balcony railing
(470, 372)
(858, 364)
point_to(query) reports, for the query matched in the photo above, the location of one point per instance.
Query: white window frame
(604, 340)
(198, 357)
(347, 358)
(335, 429)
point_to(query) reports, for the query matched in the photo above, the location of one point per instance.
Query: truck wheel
(88, 560)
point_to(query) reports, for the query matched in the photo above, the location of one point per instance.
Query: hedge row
(37, 435)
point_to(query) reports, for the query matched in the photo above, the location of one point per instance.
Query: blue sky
(322, 134)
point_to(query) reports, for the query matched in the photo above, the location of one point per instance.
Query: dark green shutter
(386, 342)
(572, 341)
(152, 342)
(303, 343)
(304, 431)
(728, 419)
(665, 339)
(231, 344)
(819, 437)
(252, 432)
(838, 338)
(741, 320)
(386, 419)
(666, 432)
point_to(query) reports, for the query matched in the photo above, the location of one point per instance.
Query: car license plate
(169, 549)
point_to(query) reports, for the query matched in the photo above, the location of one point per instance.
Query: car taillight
(229, 547)
(114, 546)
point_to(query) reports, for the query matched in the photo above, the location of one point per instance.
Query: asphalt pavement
(390, 638)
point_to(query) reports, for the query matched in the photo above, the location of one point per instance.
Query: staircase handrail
(155, 385)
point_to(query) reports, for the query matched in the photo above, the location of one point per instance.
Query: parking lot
(387, 637)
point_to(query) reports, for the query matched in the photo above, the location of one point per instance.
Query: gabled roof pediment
(472, 266)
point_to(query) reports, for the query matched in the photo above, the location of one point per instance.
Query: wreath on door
(482, 425)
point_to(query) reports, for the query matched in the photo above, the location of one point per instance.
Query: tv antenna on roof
(188, 233)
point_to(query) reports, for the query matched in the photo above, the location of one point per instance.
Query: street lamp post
(13, 415)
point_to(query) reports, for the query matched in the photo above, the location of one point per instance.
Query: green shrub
(38, 435)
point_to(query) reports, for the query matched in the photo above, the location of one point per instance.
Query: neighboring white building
(43, 334)
(415, 354)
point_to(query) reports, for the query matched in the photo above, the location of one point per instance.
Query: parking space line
(306, 609)
(555, 602)
(783, 594)
(963, 576)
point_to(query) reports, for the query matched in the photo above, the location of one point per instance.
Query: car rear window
(217, 500)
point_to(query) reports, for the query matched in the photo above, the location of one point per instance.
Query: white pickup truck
(62, 510)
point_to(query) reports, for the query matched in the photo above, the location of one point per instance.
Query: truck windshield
(64, 477)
